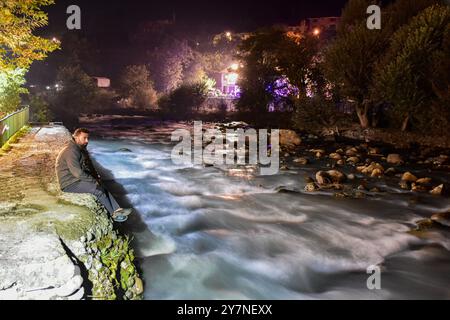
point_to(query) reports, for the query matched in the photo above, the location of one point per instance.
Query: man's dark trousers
(98, 191)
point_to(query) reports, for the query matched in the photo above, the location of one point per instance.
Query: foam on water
(215, 236)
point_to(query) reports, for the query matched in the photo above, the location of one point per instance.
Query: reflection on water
(213, 234)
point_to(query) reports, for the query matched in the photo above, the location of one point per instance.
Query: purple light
(282, 88)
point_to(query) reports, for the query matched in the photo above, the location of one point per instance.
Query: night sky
(108, 24)
(244, 15)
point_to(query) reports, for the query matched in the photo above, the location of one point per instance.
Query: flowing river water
(206, 233)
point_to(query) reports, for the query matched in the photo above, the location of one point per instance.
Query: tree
(77, 95)
(406, 80)
(271, 57)
(136, 85)
(168, 62)
(39, 109)
(349, 64)
(11, 83)
(19, 47)
(184, 101)
(349, 61)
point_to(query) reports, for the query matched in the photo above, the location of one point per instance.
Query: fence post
(12, 123)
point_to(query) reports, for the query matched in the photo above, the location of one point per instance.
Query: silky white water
(205, 233)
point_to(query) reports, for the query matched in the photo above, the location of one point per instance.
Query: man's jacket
(73, 164)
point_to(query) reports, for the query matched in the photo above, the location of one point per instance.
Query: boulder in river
(395, 159)
(351, 152)
(329, 177)
(438, 191)
(376, 173)
(311, 187)
(374, 151)
(443, 218)
(424, 224)
(353, 160)
(404, 185)
(369, 169)
(390, 171)
(409, 177)
(335, 156)
(289, 138)
(423, 181)
(416, 187)
(301, 160)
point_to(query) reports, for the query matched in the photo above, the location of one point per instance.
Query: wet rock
(395, 159)
(390, 171)
(322, 178)
(351, 152)
(341, 195)
(374, 151)
(311, 187)
(330, 176)
(353, 160)
(335, 156)
(423, 181)
(404, 185)
(442, 218)
(124, 150)
(441, 160)
(359, 195)
(351, 176)
(336, 176)
(361, 187)
(437, 191)
(376, 173)
(374, 169)
(309, 179)
(301, 161)
(424, 224)
(319, 154)
(289, 138)
(409, 177)
(340, 162)
(418, 187)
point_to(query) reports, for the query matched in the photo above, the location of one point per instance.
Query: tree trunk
(362, 116)
(405, 123)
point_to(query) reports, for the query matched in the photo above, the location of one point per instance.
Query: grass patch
(14, 139)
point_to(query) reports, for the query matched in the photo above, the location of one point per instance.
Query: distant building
(103, 82)
(322, 24)
(228, 83)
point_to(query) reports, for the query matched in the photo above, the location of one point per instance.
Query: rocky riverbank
(353, 168)
(55, 245)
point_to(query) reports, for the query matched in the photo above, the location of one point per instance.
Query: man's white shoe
(122, 212)
(120, 218)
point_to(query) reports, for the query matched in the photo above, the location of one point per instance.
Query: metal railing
(12, 123)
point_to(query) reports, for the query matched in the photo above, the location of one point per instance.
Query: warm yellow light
(228, 34)
(234, 66)
(316, 31)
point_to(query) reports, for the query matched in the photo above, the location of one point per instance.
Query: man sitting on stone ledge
(76, 174)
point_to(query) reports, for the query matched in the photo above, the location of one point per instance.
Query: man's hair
(80, 130)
